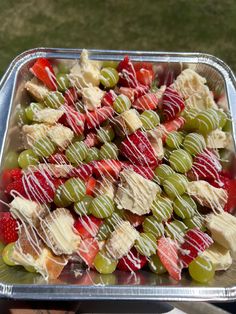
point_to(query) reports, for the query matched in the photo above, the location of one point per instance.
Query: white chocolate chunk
(48, 115)
(37, 90)
(105, 187)
(219, 256)
(201, 100)
(34, 132)
(132, 121)
(155, 138)
(60, 135)
(92, 97)
(219, 139)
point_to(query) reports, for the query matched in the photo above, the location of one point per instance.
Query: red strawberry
(88, 249)
(87, 226)
(133, 261)
(16, 186)
(195, 242)
(9, 175)
(58, 159)
(74, 119)
(172, 104)
(129, 92)
(110, 167)
(91, 139)
(138, 149)
(15, 173)
(83, 171)
(90, 186)
(143, 65)
(127, 73)
(8, 228)
(95, 118)
(58, 182)
(146, 102)
(168, 253)
(205, 166)
(171, 126)
(145, 77)
(134, 219)
(109, 98)
(71, 96)
(43, 70)
(146, 172)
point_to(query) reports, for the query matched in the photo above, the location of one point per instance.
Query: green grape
(228, 125)
(78, 138)
(105, 279)
(62, 66)
(162, 172)
(11, 160)
(63, 82)
(93, 154)
(175, 185)
(110, 64)
(54, 100)
(74, 190)
(207, 121)
(30, 269)
(109, 77)
(174, 139)
(146, 244)
(194, 143)
(32, 110)
(104, 232)
(59, 198)
(115, 219)
(167, 152)
(184, 206)
(180, 160)
(44, 147)
(155, 265)
(222, 116)
(149, 119)
(27, 158)
(190, 121)
(176, 230)
(106, 134)
(21, 116)
(77, 152)
(152, 225)
(102, 206)
(109, 151)
(104, 264)
(121, 103)
(82, 207)
(195, 222)
(162, 208)
(7, 254)
(201, 269)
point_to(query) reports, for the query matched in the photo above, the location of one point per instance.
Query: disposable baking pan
(88, 285)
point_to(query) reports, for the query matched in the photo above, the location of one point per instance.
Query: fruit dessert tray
(118, 172)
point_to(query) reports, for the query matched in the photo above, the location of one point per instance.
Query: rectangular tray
(16, 283)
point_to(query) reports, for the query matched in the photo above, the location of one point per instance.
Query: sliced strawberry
(133, 261)
(90, 186)
(109, 167)
(143, 65)
(129, 92)
(168, 253)
(58, 159)
(87, 226)
(71, 96)
(95, 118)
(16, 186)
(127, 73)
(171, 126)
(134, 219)
(43, 70)
(146, 172)
(9, 175)
(88, 249)
(146, 102)
(58, 182)
(74, 119)
(138, 149)
(172, 104)
(15, 173)
(109, 98)
(91, 139)
(195, 242)
(83, 171)
(145, 77)
(206, 166)
(8, 228)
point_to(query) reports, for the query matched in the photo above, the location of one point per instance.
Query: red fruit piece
(87, 226)
(127, 73)
(8, 228)
(133, 261)
(171, 126)
(9, 175)
(146, 172)
(109, 167)
(195, 242)
(146, 102)
(95, 118)
(91, 139)
(90, 186)
(172, 104)
(145, 77)
(134, 219)
(109, 98)
(206, 166)
(88, 249)
(83, 171)
(143, 65)
(15, 173)
(138, 149)
(58, 159)
(71, 96)
(43, 70)
(58, 182)
(74, 119)
(16, 186)
(168, 253)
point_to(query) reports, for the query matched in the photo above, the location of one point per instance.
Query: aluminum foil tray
(18, 284)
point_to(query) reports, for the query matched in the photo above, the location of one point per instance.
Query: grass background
(161, 25)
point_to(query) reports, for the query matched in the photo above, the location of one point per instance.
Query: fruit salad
(120, 168)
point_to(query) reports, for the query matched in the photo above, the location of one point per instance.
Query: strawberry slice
(143, 65)
(146, 102)
(95, 118)
(147, 173)
(145, 76)
(91, 139)
(83, 171)
(88, 249)
(9, 175)
(74, 119)
(109, 98)
(58, 159)
(58, 182)
(71, 96)
(90, 186)
(195, 242)
(127, 73)
(168, 253)
(206, 166)
(8, 228)
(109, 167)
(133, 261)
(87, 226)
(171, 126)
(138, 149)
(172, 104)
(16, 186)
(43, 70)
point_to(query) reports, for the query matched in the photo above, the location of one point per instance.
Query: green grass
(174, 25)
